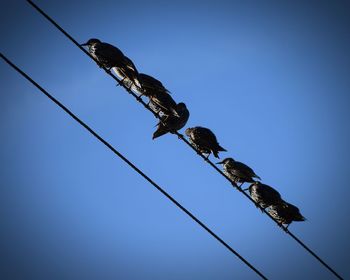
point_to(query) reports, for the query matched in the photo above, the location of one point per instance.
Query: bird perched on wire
(238, 171)
(264, 195)
(204, 140)
(160, 100)
(151, 85)
(128, 73)
(165, 103)
(109, 56)
(285, 213)
(173, 123)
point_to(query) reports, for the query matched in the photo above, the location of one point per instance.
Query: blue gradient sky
(270, 78)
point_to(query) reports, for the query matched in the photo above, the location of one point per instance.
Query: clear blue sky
(269, 78)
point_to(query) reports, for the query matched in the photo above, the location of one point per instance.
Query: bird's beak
(85, 44)
(221, 162)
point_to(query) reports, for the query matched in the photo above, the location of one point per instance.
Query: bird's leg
(131, 84)
(142, 92)
(236, 181)
(138, 98)
(99, 64)
(122, 81)
(196, 148)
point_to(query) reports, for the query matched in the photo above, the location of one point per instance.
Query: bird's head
(188, 131)
(181, 106)
(91, 42)
(226, 160)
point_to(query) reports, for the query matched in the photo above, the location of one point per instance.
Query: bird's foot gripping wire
(238, 187)
(260, 207)
(139, 99)
(107, 69)
(120, 83)
(179, 136)
(206, 158)
(99, 64)
(284, 228)
(197, 150)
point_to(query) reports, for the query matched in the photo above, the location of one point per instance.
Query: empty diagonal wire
(109, 146)
(181, 137)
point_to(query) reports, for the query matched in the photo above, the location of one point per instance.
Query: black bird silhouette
(165, 103)
(173, 123)
(238, 171)
(159, 96)
(151, 86)
(129, 73)
(204, 140)
(264, 195)
(285, 213)
(110, 56)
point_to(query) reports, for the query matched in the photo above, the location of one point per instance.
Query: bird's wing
(200, 137)
(110, 50)
(271, 192)
(129, 64)
(295, 212)
(152, 84)
(244, 168)
(164, 101)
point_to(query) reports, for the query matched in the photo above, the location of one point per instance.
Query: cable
(181, 137)
(109, 146)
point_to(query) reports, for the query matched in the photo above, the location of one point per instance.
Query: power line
(181, 136)
(109, 146)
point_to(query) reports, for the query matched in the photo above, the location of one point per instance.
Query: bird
(264, 195)
(163, 102)
(129, 73)
(159, 96)
(151, 85)
(285, 213)
(173, 123)
(238, 171)
(109, 56)
(204, 140)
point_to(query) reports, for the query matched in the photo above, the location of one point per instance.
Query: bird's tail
(133, 75)
(221, 149)
(161, 130)
(257, 177)
(216, 154)
(299, 218)
(131, 72)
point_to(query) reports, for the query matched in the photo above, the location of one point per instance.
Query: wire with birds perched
(181, 137)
